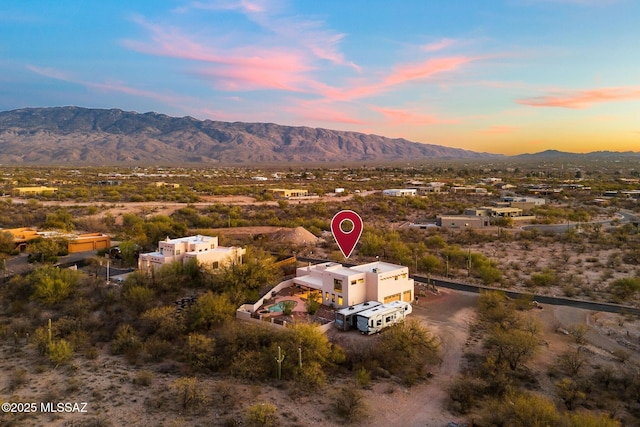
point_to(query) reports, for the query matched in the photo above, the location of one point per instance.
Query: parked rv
(346, 317)
(376, 319)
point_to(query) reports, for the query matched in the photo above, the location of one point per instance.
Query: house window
(326, 296)
(333, 297)
(339, 300)
(215, 264)
(353, 282)
(177, 251)
(337, 285)
(360, 281)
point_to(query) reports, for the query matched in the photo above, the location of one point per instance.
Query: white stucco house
(204, 249)
(346, 286)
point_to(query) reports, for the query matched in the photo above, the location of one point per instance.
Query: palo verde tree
(53, 285)
(243, 281)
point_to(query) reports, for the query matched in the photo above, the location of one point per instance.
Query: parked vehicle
(376, 319)
(346, 317)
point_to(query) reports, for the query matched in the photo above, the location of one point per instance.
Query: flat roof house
(400, 192)
(346, 286)
(204, 249)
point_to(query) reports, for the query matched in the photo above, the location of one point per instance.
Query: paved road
(624, 217)
(543, 299)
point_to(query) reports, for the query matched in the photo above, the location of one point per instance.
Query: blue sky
(508, 76)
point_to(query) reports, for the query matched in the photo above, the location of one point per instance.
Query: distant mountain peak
(76, 135)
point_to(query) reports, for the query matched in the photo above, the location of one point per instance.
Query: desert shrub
(287, 307)
(138, 297)
(200, 351)
(547, 277)
(585, 419)
(54, 285)
(349, 403)
(189, 393)
(17, 378)
(157, 348)
(262, 414)
(624, 288)
(407, 349)
(125, 339)
(579, 332)
(569, 392)
(313, 304)
(60, 351)
(162, 322)
(464, 393)
(209, 310)
(363, 377)
(143, 378)
(521, 410)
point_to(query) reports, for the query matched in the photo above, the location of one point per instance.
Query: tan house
(346, 286)
(204, 249)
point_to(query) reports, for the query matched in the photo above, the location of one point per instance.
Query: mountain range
(88, 136)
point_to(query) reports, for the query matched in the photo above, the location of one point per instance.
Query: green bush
(262, 414)
(60, 351)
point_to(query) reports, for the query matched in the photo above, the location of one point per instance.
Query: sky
(497, 76)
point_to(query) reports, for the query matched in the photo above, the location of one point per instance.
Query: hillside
(74, 135)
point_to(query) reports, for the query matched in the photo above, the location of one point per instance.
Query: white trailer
(346, 317)
(376, 319)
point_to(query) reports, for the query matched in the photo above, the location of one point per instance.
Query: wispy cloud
(312, 35)
(110, 86)
(409, 117)
(438, 45)
(583, 98)
(401, 74)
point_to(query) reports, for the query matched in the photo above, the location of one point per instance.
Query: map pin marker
(346, 240)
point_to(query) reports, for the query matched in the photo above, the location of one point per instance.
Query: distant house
(88, 242)
(284, 193)
(346, 286)
(204, 249)
(76, 242)
(24, 191)
(463, 221)
(165, 184)
(400, 192)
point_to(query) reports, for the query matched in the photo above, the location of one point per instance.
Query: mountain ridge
(72, 135)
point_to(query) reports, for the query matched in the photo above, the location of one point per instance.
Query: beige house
(463, 221)
(284, 193)
(204, 249)
(346, 286)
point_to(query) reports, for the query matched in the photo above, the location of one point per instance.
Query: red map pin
(346, 240)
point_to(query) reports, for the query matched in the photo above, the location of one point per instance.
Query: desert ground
(115, 394)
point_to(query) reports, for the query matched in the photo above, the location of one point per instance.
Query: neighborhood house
(204, 249)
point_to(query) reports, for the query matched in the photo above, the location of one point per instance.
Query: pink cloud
(496, 130)
(245, 68)
(405, 73)
(406, 117)
(323, 110)
(583, 98)
(439, 45)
